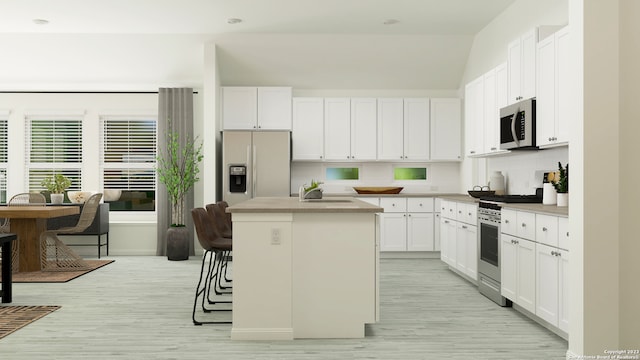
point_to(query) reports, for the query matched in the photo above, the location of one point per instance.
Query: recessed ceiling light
(233, 21)
(391, 21)
(40, 21)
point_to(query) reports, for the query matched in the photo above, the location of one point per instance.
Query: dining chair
(22, 199)
(55, 255)
(214, 246)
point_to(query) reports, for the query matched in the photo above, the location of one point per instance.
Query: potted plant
(56, 184)
(178, 170)
(561, 184)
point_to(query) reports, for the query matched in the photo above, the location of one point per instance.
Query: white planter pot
(549, 194)
(563, 199)
(57, 198)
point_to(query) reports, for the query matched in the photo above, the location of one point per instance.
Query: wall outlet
(275, 236)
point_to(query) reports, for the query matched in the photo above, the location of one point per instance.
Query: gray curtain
(175, 109)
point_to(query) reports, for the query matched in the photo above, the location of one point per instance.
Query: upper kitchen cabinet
(553, 103)
(403, 129)
(363, 128)
(445, 129)
(521, 63)
(256, 108)
(308, 129)
(350, 128)
(474, 117)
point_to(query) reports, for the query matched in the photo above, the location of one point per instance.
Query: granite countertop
(294, 205)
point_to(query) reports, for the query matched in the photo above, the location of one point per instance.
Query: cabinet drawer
(467, 213)
(526, 225)
(393, 205)
(563, 233)
(449, 209)
(508, 222)
(547, 230)
(419, 205)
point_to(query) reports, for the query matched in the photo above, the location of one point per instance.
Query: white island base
(304, 272)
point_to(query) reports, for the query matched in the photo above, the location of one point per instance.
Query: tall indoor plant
(178, 170)
(56, 184)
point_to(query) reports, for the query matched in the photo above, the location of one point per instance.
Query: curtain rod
(81, 92)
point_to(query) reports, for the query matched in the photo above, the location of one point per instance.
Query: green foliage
(562, 182)
(314, 184)
(56, 184)
(178, 170)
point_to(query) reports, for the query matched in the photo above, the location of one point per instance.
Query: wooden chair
(55, 255)
(22, 199)
(214, 246)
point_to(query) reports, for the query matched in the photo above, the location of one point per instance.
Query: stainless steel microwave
(518, 125)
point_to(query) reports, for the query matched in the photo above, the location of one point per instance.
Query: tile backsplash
(441, 177)
(520, 167)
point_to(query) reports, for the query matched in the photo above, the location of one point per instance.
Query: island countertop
(294, 205)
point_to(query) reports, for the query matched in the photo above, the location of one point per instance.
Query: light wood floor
(140, 308)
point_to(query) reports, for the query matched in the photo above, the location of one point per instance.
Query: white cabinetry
(458, 237)
(521, 63)
(337, 128)
(444, 130)
(553, 103)
(390, 129)
(518, 271)
(552, 285)
(403, 129)
(474, 117)
(308, 128)
(350, 129)
(363, 128)
(250, 108)
(407, 224)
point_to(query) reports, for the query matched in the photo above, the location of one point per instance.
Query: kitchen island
(304, 269)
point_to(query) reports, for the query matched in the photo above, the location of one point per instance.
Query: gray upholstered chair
(55, 255)
(22, 199)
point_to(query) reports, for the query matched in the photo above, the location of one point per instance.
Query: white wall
(131, 233)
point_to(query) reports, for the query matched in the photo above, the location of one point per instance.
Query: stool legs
(204, 289)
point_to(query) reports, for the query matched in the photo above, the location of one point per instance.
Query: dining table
(28, 222)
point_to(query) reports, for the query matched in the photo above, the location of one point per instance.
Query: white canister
(549, 195)
(496, 182)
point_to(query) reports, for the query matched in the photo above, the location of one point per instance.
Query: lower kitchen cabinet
(551, 285)
(467, 249)
(459, 237)
(407, 224)
(518, 271)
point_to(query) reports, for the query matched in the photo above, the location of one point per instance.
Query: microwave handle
(513, 126)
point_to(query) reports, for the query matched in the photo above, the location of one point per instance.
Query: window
(3, 159)
(342, 173)
(54, 145)
(401, 173)
(128, 162)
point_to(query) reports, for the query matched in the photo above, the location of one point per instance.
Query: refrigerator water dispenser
(237, 178)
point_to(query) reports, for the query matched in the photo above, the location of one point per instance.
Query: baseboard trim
(261, 334)
(410, 254)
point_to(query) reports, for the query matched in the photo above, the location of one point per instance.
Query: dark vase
(178, 243)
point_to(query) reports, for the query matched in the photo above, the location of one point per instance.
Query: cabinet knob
(544, 228)
(524, 225)
(493, 149)
(420, 204)
(553, 253)
(567, 234)
(506, 221)
(469, 214)
(320, 156)
(472, 152)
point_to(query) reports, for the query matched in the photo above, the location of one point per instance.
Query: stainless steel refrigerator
(255, 164)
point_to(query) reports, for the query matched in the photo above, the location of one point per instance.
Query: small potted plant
(561, 183)
(311, 192)
(56, 184)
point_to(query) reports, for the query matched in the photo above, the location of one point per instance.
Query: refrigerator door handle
(248, 162)
(255, 173)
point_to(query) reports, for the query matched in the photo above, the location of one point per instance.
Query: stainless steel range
(489, 217)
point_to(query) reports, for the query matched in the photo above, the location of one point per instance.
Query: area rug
(13, 318)
(57, 276)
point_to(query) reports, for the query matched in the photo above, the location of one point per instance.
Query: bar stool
(214, 246)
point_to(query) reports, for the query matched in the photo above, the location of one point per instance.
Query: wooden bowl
(377, 190)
